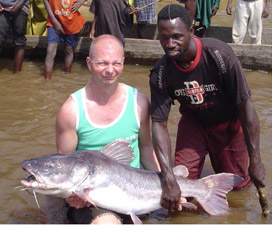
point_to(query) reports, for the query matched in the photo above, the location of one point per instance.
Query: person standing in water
(13, 14)
(104, 111)
(218, 115)
(64, 23)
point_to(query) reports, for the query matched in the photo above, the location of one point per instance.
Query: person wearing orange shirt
(64, 23)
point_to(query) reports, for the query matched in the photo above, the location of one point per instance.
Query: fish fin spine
(119, 150)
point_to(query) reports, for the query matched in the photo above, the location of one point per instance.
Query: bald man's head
(105, 41)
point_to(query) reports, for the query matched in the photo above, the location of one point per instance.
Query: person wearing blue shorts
(64, 23)
(70, 41)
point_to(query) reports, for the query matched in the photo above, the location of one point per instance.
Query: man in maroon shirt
(218, 115)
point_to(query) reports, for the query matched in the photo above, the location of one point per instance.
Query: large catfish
(105, 179)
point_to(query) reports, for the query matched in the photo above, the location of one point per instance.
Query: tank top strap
(132, 103)
(80, 109)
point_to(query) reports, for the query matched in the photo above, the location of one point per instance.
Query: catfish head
(56, 175)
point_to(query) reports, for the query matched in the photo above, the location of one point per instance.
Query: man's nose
(109, 68)
(170, 43)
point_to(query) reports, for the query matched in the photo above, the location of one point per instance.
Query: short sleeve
(160, 100)
(236, 84)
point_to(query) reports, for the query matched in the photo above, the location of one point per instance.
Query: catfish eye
(50, 164)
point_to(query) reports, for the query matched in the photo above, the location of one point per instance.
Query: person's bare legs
(49, 60)
(69, 56)
(19, 58)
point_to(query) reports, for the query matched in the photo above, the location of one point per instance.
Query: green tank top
(126, 127)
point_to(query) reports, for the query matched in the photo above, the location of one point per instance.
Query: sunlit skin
(176, 40)
(106, 64)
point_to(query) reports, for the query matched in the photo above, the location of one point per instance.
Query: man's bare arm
(66, 141)
(148, 156)
(66, 136)
(190, 5)
(57, 25)
(251, 130)
(265, 13)
(171, 191)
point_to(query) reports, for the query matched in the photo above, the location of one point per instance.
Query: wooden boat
(148, 51)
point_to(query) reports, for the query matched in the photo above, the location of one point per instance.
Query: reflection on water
(27, 115)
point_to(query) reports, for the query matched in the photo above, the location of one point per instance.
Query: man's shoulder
(221, 53)
(68, 105)
(131, 90)
(142, 99)
(67, 113)
(162, 63)
(212, 43)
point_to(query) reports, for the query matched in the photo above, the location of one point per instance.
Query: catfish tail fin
(215, 201)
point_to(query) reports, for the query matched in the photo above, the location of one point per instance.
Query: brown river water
(27, 115)
(28, 107)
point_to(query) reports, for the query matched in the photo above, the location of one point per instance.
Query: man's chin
(174, 56)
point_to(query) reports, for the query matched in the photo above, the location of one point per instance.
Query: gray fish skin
(107, 183)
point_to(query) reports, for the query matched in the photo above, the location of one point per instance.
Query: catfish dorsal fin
(181, 171)
(120, 151)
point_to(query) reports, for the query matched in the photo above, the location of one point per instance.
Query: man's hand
(171, 199)
(92, 36)
(76, 5)
(1, 7)
(265, 11)
(77, 202)
(214, 10)
(135, 10)
(58, 27)
(229, 9)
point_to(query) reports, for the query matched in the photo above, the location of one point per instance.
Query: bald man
(110, 106)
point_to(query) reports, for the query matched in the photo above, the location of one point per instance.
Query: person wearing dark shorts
(217, 113)
(227, 151)
(13, 15)
(145, 16)
(88, 215)
(68, 39)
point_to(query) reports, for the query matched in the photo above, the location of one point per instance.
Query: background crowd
(35, 17)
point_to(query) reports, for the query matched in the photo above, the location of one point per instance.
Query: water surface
(28, 108)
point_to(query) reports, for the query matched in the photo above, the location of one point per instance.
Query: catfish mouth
(34, 181)
(30, 178)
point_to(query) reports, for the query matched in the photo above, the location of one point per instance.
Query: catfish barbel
(105, 179)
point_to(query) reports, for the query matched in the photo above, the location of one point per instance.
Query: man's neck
(104, 105)
(188, 59)
(102, 94)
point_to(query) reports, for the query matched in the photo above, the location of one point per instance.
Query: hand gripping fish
(105, 179)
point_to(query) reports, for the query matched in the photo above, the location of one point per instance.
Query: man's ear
(192, 30)
(88, 61)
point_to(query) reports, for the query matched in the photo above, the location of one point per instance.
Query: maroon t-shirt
(210, 89)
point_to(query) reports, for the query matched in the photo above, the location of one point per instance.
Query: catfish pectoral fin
(84, 194)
